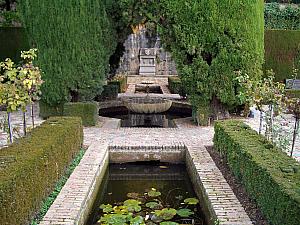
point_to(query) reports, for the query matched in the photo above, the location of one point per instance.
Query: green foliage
(278, 17)
(282, 50)
(75, 40)
(209, 47)
(191, 201)
(271, 177)
(59, 185)
(13, 40)
(110, 92)
(166, 213)
(47, 110)
(175, 86)
(31, 167)
(154, 193)
(9, 18)
(88, 111)
(149, 208)
(120, 81)
(19, 85)
(184, 212)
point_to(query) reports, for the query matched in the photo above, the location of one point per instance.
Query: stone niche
(147, 61)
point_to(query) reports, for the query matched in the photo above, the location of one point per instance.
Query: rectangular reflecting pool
(152, 193)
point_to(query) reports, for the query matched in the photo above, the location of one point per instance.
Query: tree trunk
(24, 123)
(10, 128)
(7, 3)
(220, 111)
(296, 128)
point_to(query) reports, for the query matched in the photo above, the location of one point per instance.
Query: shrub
(75, 41)
(209, 47)
(269, 175)
(282, 49)
(121, 82)
(110, 92)
(47, 110)
(31, 166)
(278, 17)
(175, 86)
(88, 111)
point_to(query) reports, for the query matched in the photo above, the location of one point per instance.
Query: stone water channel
(120, 145)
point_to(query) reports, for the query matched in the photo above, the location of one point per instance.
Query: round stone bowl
(148, 105)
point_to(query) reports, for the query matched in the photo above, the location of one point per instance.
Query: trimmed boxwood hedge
(32, 165)
(175, 86)
(282, 51)
(88, 111)
(270, 176)
(47, 110)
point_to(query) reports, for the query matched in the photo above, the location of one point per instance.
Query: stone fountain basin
(148, 105)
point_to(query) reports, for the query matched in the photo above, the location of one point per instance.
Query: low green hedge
(293, 93)
(121, 82)
(88, 111)
(175, 86)
(47, 110)
(31, 166)
(282, 52)
(270, 176)
(110, 92)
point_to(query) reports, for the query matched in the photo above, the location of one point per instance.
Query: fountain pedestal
(147, 61)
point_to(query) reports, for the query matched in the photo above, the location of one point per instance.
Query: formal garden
(149, 112)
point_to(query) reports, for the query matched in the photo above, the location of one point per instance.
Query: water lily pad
(168, 223)
(132, 205)
(133, 195)
(137, 220)
(191, 201)
(166, 213)
(120, 210)
(153, 205)
(184, 212)
(106, 208)
(115, 219)
(154, 193)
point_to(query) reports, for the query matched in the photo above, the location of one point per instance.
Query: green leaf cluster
(19, 85)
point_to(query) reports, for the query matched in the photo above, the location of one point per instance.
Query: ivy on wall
(75, 40)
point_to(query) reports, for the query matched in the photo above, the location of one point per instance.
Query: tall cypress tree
(75, 40)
